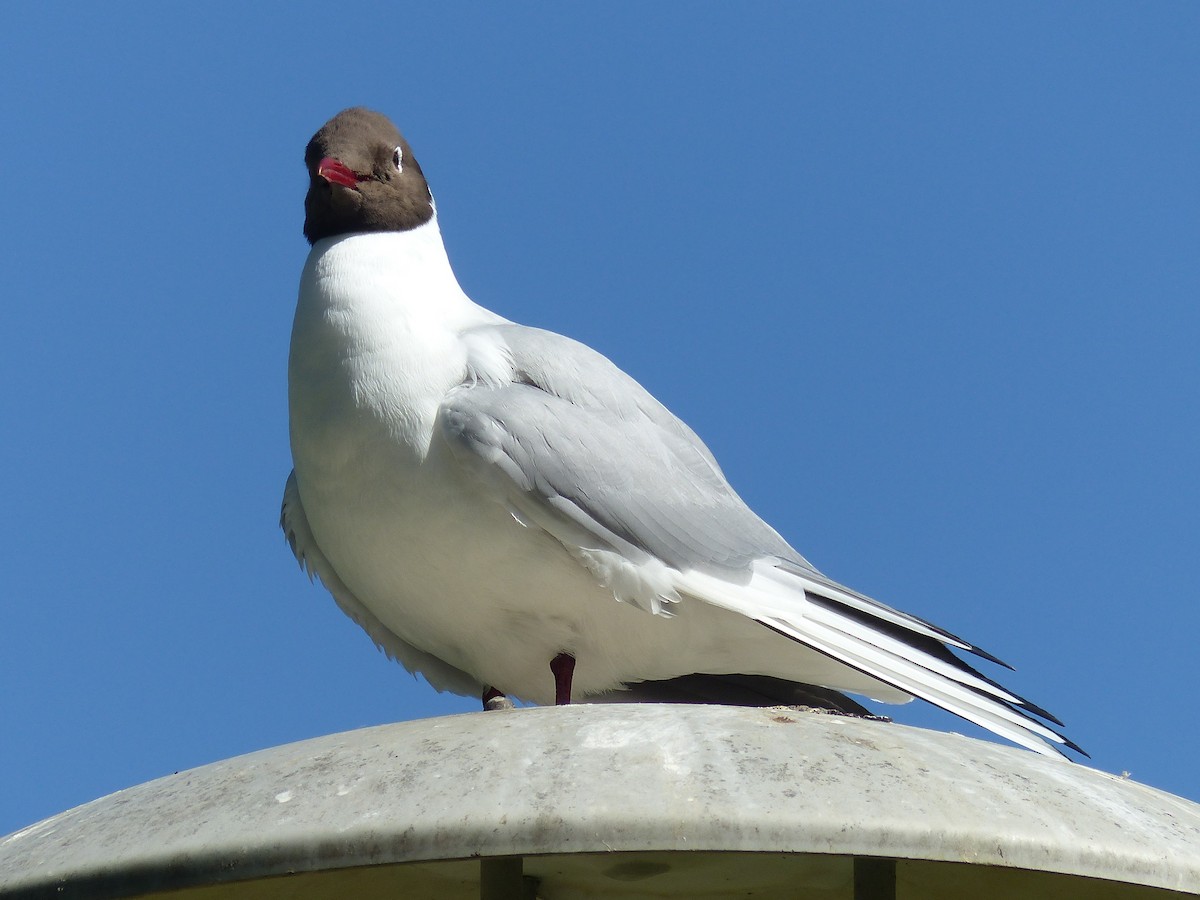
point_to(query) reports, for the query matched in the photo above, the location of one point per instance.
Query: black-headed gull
(506, 512)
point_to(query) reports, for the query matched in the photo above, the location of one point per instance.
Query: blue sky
(924, 276)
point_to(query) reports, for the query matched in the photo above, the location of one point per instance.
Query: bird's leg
(494, 699)
(563, 667)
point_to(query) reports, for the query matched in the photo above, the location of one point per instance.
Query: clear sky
(925, 277)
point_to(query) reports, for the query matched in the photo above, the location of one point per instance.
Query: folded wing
(572, 445)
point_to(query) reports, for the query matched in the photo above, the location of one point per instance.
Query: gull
(508, 514)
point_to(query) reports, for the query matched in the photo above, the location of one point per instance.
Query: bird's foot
(563, 667)
(494, 699)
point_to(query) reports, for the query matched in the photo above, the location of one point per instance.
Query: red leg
(563, 667)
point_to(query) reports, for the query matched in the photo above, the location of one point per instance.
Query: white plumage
(481, 497)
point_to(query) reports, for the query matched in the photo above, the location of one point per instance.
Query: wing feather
(575, 446)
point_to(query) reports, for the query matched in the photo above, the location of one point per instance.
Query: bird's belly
(449, 570)
(445, 566)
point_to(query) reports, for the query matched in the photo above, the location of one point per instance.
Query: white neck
(399, 268)
(377, 333)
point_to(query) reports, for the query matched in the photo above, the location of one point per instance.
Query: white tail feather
(777, 598)
(914, 678)
(821, 585)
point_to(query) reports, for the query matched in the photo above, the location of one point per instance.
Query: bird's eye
(398, 159)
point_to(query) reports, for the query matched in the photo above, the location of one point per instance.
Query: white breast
(376, 345)
(434, 556)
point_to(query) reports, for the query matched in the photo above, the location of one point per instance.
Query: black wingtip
(1022, 706)
(945, 636)
(983, 654)
(1069, 745)
(955, 640)
(1038, 711)
(1074, 746)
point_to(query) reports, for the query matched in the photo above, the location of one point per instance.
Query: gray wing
(574, 438)
(577, 447)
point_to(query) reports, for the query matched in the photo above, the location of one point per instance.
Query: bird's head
(362, 177)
